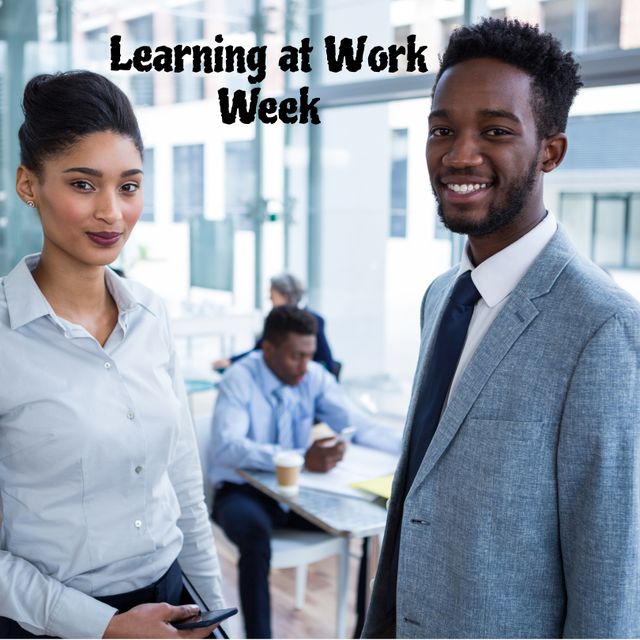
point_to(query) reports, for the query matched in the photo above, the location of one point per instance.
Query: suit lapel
(504, 331)
(436, 301)
(513, 319)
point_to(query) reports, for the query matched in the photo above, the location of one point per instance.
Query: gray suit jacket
(524, 517)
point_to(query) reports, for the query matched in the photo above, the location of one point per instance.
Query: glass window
(576, 214)
(400, 34)
(603, 24)
(399, 153)
(141, 29)
(604, 227)
(189, 22)
(447, 25)
(609, 231)
(558, 18)
(189, 86)
(188, 182)
(240, 183)
(141, 33)
(238, 15)
(189, 26)
(97, 44)
(633, 235)
(148, 166)
(441, 232)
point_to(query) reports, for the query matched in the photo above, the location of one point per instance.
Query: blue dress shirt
(244, 425)
(100, 481)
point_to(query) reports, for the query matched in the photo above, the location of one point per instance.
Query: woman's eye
(130, 187)
(83, 185)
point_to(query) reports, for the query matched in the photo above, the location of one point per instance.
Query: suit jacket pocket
(524, 431)
(504, 459)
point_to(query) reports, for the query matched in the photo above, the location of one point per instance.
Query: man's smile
(459, 189)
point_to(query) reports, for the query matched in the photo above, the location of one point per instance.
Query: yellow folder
(378, 486)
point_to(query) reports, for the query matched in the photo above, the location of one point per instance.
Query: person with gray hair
(287, 289)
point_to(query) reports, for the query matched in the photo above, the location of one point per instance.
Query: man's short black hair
(288, 319)
(554, 73)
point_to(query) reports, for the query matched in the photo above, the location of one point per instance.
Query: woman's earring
(31, 203)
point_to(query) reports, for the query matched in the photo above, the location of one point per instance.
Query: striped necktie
(284, 424)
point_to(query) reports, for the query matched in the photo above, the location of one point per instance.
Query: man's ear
(25, 181)
(267, 349)
(553, 151)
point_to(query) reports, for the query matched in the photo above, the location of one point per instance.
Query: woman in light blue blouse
(100, 484)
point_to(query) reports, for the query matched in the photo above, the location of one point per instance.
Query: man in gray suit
(517, 512)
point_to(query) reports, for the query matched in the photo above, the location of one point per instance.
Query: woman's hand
(152, 621)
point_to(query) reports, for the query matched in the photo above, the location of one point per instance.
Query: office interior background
(346, 205)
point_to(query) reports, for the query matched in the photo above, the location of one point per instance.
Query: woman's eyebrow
(98, 174)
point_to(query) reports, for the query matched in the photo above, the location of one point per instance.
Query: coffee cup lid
(288, 459)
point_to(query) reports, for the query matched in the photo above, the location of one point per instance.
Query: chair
(290, 548)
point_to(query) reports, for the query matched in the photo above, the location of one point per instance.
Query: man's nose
(462, 153)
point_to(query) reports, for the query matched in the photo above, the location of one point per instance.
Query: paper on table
(359, 464)
(377, 486)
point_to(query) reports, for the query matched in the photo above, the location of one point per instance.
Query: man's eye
(497, 131)
(439, 132)
(82, 185)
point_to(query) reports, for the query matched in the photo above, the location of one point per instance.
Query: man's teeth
(466, 188)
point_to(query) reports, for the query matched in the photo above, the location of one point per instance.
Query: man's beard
(497, 216)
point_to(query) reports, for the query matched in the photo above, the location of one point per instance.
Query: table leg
(361, 598)
(372, 564)
(343, 581)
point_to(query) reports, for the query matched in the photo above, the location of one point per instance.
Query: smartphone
(346, 435)
(205, 619)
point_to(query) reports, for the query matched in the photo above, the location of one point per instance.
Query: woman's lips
(104, 239)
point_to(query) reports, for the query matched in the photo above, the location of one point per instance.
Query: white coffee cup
(288, 465)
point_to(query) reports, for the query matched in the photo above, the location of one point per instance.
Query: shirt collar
(26, 303)
(122, 293)
(498, 275)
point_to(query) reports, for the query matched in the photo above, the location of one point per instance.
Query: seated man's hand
(322, 456)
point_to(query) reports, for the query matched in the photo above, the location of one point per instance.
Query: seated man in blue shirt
(268, 402)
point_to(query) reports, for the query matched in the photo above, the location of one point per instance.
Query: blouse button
(138, 469)
(131, 415)
(138, 523)
(107, 365)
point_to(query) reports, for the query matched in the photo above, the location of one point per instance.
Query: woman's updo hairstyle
(61, 108)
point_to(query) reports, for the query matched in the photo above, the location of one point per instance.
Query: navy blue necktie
(450, 339)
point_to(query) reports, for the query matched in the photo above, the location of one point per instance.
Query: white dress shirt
(495, 279)
(100, 481)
